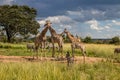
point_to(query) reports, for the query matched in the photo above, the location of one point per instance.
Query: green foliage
(3, 39)
(88, 39)
(115, 40)
(18, 20)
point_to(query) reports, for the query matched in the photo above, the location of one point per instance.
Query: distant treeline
(114, 40)
(101, 41)
(87, 39)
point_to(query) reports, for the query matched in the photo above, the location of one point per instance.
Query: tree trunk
(8, 38)
(8, 35)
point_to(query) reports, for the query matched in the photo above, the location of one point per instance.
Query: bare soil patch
(77, 59)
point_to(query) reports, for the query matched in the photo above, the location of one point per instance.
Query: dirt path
(30, 59)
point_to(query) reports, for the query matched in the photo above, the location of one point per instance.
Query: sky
(95, 18)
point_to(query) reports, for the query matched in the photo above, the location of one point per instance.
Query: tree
(87, 39)
(116, 40)
(18, 20)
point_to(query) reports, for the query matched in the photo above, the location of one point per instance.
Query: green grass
(100, 50)
(58, 71)
(14, 49)
(95, 50)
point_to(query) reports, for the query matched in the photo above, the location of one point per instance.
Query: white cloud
(86, 14)
(59, 30)
(94, 25)
(83, 12)
(76, 13)
(113, 21)
(41, 22)
(116, 22)
(57, 19)
(107, 27)
(66, 26)
(61, 21)
(97, 12)
(109, 24)
(6, 1)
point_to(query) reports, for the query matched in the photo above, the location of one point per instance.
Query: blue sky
(95, 18)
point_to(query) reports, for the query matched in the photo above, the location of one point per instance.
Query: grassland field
(47, 70)
(95, 50)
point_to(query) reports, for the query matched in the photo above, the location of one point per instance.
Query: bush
(88, 39)
(3, 39)
(115, 40)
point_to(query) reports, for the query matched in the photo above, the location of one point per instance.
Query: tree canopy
(16, 19)
(88, 39)
(116, 40)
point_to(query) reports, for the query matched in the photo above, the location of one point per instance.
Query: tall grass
(14, 49)
(100, 50)
(11, 46)
(58, 71)
(96, 50)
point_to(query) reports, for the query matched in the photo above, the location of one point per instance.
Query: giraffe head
(48, 23)
(65, 30)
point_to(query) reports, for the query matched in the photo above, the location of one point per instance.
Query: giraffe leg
(35, 52)
(33, 56)
(37, 55)
(72, 50)
(37, 47)
(44, 49)
(83, 59)
(53, 51)
(60, 49)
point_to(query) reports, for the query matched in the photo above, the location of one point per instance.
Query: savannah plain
(100, 63)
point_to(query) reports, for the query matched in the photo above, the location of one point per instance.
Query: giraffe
(40, 39)
(75, 43)
(55, 38)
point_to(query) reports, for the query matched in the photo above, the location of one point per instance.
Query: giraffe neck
(44, 31)
(52, 31)
(70, 37)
